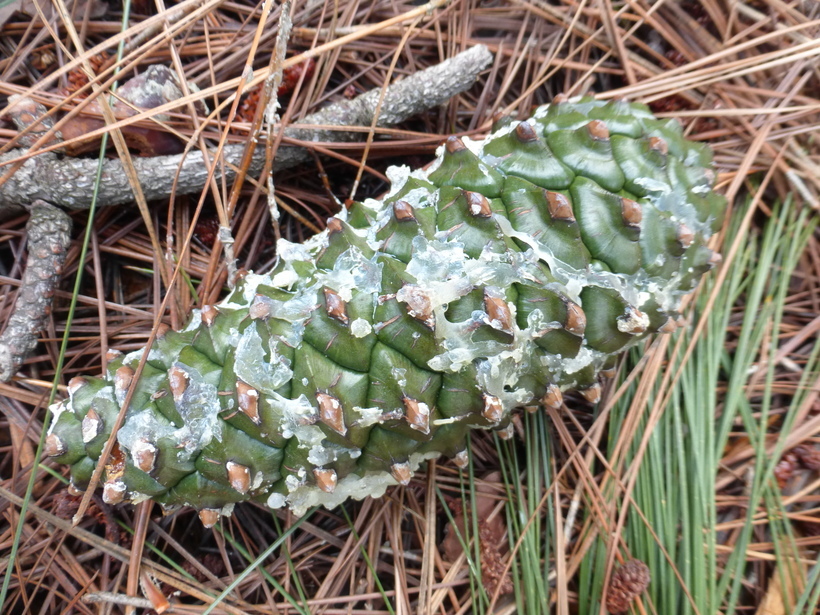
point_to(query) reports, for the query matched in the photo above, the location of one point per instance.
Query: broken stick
(69, 182)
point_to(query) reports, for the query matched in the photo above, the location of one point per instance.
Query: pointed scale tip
(144, 454)
(248, 399)
(417, 414)
(658, 145)
(478, 205)
(326, 479)
(209, 517)
(553, 398)
(576, 321)
(54, 447)
(401, 473)
(75, 384)
(598, 130)
(631, 212)
(462, 459)
(493, 408)
(209, 314)
(592, 394)
(453, 145)
(525, 133)
(114, 492)
(92, 425)
(239, 476)
(330, 412)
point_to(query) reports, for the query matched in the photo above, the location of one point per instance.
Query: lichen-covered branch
(69, 182)
(49, 231)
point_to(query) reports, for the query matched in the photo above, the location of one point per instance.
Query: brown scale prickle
(510, 271)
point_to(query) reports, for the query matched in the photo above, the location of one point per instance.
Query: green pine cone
(511, 270)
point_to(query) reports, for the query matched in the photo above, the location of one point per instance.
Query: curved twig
(49, 235)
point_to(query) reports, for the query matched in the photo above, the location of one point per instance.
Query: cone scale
(511, 270)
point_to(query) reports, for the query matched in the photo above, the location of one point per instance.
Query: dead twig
(49, 235)
(69, 182)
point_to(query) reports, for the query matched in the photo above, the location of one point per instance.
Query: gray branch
(69, 182)
(49, 235)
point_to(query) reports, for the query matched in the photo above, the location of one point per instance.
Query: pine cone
(627, 583)
(808, 455)
(511, 270)
(78, 79)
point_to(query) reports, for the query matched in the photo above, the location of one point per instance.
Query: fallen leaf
(779, 600)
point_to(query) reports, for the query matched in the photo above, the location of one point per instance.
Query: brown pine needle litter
(700, 461)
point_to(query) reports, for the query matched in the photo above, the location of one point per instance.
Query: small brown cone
(808, 455)
(627, 583)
